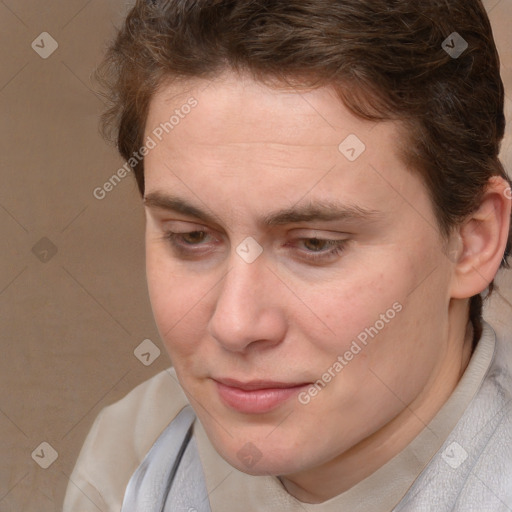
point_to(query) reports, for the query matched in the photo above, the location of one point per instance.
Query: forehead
(237, 109)
(236, 138)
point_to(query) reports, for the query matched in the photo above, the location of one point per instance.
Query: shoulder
(120, 437)
(144, 412)
(491, 478)
(486, 430)
(473, 469)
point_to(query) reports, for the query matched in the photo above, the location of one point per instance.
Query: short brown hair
(385, 58)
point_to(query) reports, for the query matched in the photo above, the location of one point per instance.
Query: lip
(257, 396)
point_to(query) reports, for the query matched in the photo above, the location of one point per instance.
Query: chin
(258, 459)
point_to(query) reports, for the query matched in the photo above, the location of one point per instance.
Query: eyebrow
(317, 211)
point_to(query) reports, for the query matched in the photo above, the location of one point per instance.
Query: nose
(249, 310)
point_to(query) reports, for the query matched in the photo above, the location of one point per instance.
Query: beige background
(72, 320)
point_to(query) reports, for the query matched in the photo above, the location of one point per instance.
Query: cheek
(403, 343)
(351, 306)
(179, 304)
(376, 314)
(351, 318)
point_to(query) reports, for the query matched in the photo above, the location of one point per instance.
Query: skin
(246, 151)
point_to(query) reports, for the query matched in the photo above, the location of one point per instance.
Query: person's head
(263, 115)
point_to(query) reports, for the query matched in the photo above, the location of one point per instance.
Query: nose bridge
(244, 311)
(234, 283)
(242, 289)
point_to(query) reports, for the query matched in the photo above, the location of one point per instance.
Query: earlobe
(484, 237)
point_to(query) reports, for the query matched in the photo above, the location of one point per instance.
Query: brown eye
(315, 244)
(191, 244)
(319, 250)
(194, 237)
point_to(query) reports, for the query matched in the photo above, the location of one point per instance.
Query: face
(292, 271)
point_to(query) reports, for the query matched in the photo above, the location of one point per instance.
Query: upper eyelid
(309, 233)
(217, 228)
(319, 237)
(200, 227)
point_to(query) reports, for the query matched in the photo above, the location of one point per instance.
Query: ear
(482, 238)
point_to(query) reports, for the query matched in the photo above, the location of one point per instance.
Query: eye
(316, 244)
(190, 238)
(190, 243)
(197, 243)
(320, 249)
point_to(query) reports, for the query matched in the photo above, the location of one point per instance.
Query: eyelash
(338, 246)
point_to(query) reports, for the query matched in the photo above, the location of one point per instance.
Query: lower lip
(256, 401)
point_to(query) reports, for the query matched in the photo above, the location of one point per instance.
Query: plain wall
(73, 300)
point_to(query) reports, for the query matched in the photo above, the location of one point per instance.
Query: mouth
(257, 396)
